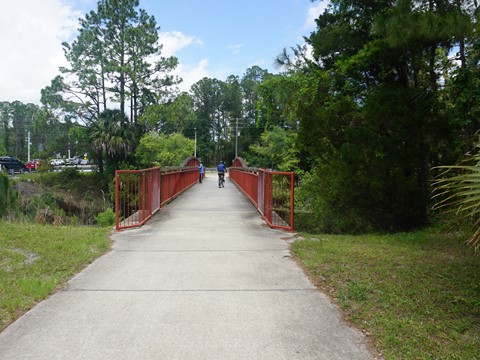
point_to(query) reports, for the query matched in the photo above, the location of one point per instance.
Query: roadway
(204, 279)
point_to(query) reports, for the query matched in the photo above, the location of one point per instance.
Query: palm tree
(112, 135)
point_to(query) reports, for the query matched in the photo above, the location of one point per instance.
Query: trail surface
(204, 279)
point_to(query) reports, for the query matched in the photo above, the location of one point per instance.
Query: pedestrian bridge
(203, 279)
(141, 193)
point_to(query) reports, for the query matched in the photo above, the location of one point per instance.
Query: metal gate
(137, 196)
(140, 193)
(272, 193)
(276, 198)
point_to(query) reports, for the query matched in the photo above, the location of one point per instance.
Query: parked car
(11, 164)
(74, 161)
(32, 165)
(56, 162)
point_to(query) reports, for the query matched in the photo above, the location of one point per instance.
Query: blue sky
(233, 35)
(211, 38)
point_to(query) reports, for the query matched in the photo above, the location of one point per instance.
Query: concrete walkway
(205, 279)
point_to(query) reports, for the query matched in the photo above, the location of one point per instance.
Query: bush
(69, 174)
(41, 201)
(45, 167)
(79, 195)
(320, 206)
(106, 218)
(8, 196)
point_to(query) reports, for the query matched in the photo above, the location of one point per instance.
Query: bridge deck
(204, 279)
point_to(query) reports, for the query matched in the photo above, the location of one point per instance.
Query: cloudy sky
(211, 38)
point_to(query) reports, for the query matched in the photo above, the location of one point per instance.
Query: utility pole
(28, 144)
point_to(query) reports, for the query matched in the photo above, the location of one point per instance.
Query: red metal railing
(272, 193)
(175, 181)
(247, 181)
(278, 199)
(137, 196)
(141, 193)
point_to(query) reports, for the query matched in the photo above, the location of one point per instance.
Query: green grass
(36, 260)
(417, 294)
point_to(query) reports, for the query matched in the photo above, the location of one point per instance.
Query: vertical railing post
(261, 190)
(268, 197)
(141, 204)
(292, 201)
(149, 195)
(117, 194)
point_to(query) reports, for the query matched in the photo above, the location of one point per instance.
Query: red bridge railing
(137, 196)
(174, 181)
(140, 193)
(247, 181)
(272, 193)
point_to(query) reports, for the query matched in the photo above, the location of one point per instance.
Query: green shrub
(47, 178)
(8, 196)
(44, 200)
(45, 167)
(44, 209)
(73, 220)
(105, 218)
(69, 174)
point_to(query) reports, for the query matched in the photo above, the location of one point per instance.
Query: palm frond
(456, 191)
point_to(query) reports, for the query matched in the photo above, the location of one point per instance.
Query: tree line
(390, 92)
(382, 92)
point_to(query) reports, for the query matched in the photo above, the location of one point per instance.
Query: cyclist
(221, 169)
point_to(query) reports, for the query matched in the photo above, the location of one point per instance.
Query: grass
(416, 294)
(36, 260)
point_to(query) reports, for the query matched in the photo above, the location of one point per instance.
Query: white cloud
(174, 41)
(313, 13)
(191, 75)
(235, 48)
(31, 45)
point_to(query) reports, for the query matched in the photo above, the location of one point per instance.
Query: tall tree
(375, 122)
(175, 116)
(17, 121)
(252, 124)
(208, 97)
(115, 58)
(5, 124)
(277, 150)
(162, 150)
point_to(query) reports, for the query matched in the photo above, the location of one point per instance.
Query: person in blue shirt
(202, 171)
(221, 169)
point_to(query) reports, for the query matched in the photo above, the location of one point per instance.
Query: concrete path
(205, 279)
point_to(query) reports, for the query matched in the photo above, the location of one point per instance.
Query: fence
(272, 193)
(176, 180)
(141, 193)
(137, 196)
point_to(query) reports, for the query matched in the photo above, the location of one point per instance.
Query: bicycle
(221, 180)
